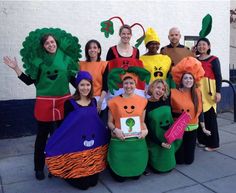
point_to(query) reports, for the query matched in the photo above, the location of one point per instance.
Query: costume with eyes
(158, 65)
(118, 61)
(209, 85)
(158, 120)
(77, 149)
(127, 158)
(185, 154)
(51, 74)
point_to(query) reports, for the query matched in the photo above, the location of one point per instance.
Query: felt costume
(127, 158)
(188, 65)
(158, 120)
(118, 61)
(158, 65)
(77, 150)
(51, 74)
(96, 69)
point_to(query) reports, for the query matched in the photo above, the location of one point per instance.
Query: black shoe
(39, 175)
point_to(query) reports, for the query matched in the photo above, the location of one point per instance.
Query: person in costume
(127, 157)
(157, 64)
(210, 86)
(77, 150)
(50, 60)
(175, 50)
(158, 120)
(123, 55)
(96, 67)
(186, 74)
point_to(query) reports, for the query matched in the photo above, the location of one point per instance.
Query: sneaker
(210, 149)
(39, 175)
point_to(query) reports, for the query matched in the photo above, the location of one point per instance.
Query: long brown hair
(194, 95)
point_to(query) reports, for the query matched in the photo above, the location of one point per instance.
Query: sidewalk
(210, 172)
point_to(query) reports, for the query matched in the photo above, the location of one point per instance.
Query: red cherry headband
(108, 29)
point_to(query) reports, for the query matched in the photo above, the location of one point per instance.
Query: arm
(72, 81)
(115, 132)
(218, 77)
(144, 130)
(110, 55)
(12, 63)
(68, 107)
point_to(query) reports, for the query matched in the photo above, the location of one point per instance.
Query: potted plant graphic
(130, 122)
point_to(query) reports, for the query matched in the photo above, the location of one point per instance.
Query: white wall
(82, 19)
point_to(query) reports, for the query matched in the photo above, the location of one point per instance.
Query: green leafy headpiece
(33, 50)
(206, 26)
(108, 29)
(116, 75)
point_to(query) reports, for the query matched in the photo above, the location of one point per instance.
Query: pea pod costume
(158, 120)
(51, 72)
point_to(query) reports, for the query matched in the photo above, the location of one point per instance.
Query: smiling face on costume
(84, 87)
(187, 80)
(50, 45)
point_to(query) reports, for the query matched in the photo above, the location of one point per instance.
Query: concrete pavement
(210, 172)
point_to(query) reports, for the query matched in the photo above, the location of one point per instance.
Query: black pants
(83, 183)
(44, 129)
(210, 119)
(104, 116)
(185, 154)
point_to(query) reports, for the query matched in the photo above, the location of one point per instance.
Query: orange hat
(187, 65)
(131, 75)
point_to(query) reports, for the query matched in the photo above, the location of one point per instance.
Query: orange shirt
(181, 101)
(127, 107)
(96, 69)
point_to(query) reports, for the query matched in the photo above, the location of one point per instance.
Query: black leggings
(44, 129)
(185, 154)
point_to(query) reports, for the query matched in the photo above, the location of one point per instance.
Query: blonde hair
(154, 83)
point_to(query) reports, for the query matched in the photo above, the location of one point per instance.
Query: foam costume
(51, 74)
(127, 158)
(210, 84)
(194, 67)
(158, 120)
(118, 61)
(78, 147)
(158, 65)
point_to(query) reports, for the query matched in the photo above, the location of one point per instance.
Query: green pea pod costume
(129, 157)
(160, 158)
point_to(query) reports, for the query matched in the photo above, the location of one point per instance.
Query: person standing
(175, 50)
(96, 67)
(50, 60)
(210, 86)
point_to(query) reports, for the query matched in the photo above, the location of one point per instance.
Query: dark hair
(152, 42)
(45, 37)
(77, 96)
(205, 40)
(125, 26)
(194, 96)
(87, 46)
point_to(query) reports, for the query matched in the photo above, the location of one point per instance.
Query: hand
(217, 97)
(166, 145)
(99, 106)
(12, 63)
(207, 132)
(143, 134)
(119, 134)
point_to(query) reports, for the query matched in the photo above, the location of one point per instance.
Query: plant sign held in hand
(130, 123)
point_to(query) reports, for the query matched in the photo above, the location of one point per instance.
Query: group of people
(122, 107)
